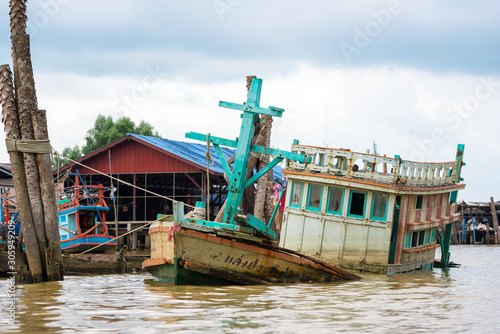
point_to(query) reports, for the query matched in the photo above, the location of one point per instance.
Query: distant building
(167, 167)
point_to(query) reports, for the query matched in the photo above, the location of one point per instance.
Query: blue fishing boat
(81, 217)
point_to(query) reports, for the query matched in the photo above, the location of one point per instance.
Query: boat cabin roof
(341, 166)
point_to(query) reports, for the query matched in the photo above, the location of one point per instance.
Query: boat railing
(82, 195)
(342, 162)
(89, 194)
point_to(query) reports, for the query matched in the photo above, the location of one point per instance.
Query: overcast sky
(416, 77)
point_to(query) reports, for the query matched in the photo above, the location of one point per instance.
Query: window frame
(386, 207)
(341, 201)
(419, 202)
(427, 237)
(301, 195)
(433, 235)
(350, 204)
(408, 240)
(309, 195)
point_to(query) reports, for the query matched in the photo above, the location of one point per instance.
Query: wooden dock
(94, 264)
(479, 223)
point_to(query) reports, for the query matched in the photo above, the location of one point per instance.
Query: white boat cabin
(367, 212)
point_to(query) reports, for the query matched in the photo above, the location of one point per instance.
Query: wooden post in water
(37, 167)
(53, 253)
(33, 273)
(26, 106)
(495, 219)
(464, 229)
(115, 207)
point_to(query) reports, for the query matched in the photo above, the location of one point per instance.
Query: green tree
(70, 152)
(105, 131)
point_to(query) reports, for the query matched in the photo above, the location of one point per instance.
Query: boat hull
(186, 256)
(84, 243)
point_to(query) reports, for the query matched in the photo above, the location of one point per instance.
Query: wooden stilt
(39, 184)
(10, 119)
(495, 219)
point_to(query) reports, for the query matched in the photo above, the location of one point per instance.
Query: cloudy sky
(416, 77)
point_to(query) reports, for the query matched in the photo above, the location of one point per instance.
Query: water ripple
(458, 300)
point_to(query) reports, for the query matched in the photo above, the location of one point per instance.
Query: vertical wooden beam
(10, 119)
(115, 206)
(146, 196)
(53, 239)
(495, 219)
(134, 211)
(26, 100)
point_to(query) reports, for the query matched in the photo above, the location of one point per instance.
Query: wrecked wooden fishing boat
(241, 249)
(370, 212)
(189, 252)
(81, 216)
(343, 209)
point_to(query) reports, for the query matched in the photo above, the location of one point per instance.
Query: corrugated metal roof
(195, 152)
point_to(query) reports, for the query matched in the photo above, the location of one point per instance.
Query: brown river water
(456, 300)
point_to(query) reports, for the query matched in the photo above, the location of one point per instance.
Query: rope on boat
(9, 199)
(63, 178)
(118, 180)
(121, 236)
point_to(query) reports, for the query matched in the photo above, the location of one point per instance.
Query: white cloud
(399, 108)
(413, 89)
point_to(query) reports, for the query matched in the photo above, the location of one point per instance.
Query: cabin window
(62, 219)
(427, 236)
(335, 200)
(433, 235)
(421, 237)
(408, 240)
(297, 193)
(357, 204)
(414, 239)
(419, 202)
(314, 197)
(379, 206)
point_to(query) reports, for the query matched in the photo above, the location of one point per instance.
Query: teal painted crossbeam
(223, 161)
(271, 111)
(261, 227)
(212, 139)
(261, 172)
(243, 144)
(281, 154)
(255, 148)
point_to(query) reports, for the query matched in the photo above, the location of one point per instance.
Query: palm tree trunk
(53, 252)
(40, 184)
(10, 120)
(263, 182)
(26, 104)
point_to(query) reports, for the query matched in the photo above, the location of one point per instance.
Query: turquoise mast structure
(234, 219)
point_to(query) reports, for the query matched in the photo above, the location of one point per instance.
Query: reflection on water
(454, 300)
